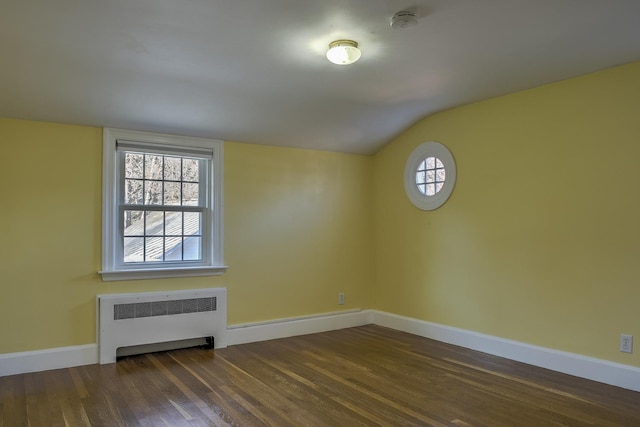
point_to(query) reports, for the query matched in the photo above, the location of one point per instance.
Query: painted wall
(540, 241)
(50, 190)
(298, 231)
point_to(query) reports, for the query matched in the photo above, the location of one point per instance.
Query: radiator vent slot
(163, 308)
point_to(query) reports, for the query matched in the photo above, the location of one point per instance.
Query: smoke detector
(404, 19)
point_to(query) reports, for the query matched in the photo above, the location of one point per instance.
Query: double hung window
(162, 206)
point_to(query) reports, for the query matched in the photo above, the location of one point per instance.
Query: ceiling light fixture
(343, 52)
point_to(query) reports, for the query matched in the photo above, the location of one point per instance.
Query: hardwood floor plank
(191, 405)
(365, 376)
(287, 382)
(13, 402)
(292, 384)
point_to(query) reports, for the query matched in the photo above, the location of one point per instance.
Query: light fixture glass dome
(343, 52)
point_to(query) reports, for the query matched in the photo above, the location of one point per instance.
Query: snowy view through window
(162, 210)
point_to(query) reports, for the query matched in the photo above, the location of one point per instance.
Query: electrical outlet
(626, 343)
(341, 298)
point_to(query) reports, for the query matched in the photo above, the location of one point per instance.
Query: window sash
(205, 235)
(205, 177)
(203, 206)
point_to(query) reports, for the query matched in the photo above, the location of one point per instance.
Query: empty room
(329, 213)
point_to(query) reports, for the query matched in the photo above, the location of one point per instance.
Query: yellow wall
(50, 189)
(540, 241)
(298, 231)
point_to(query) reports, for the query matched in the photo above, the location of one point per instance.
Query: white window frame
(420, 153)
(113, 267)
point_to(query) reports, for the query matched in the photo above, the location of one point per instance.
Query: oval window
(429, 176)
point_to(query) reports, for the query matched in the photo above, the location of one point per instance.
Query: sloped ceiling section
(255, 71)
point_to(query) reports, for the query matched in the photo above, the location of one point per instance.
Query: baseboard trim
(289, 327)
(67, 357)
(44, 360)
(616, 374)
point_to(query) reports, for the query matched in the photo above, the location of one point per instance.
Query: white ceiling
(255, 70)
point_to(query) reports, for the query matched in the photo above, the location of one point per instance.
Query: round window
(429, 176)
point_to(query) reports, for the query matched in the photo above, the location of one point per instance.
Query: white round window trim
(429, 176)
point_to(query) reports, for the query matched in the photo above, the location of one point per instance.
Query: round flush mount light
(343, 52)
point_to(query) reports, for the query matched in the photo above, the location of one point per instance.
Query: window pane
(133, 249)
(431, 162)
(153, 249)
(154, 224)
(153, 192)
(422, 166)
(190, 194)
(152, 166)
(190, 170)
(172, 193)
(133, 165)
(441, 175)
(431, 190)
(172, 168)
(422, 188)
(192, 223)
(421, 177)
(192, 248)
(431, 176)
(439, 163)
(133, 192)
(173, 223)
(173, 249)
(133, 223)
(439, 186)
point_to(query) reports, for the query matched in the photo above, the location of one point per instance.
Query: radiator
(135, 320)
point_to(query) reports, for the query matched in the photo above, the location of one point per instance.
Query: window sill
(115, 275)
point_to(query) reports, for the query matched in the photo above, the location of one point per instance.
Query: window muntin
(162, 206)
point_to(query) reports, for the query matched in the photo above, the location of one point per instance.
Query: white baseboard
(603, 371)
(67, 357)
(283, 328)
(44, 360)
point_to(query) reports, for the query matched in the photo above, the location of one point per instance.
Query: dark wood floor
(360, 376)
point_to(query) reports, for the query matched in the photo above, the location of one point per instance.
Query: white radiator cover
(137, 319)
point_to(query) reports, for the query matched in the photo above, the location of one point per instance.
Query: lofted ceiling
(255, 71)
